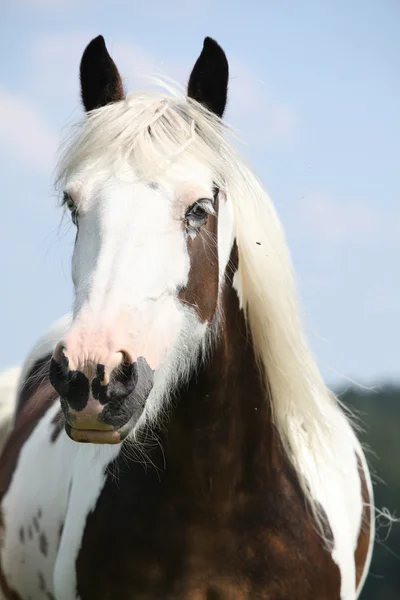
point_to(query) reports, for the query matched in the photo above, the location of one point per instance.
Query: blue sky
(315, 95)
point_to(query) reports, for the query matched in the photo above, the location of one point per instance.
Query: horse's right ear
(101, 82)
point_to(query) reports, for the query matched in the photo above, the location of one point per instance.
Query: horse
(172, 438)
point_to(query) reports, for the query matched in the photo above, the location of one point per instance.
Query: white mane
(156, 128)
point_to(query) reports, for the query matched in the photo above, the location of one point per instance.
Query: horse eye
(67, 200)
(74, 215)
(198, 213)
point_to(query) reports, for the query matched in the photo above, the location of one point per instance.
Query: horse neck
(220, 426)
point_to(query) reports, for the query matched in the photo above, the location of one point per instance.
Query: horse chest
(156, 542)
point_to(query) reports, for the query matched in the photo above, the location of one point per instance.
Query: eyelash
(70, 204)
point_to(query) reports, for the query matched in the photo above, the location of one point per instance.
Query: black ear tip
(209, 41)
(210, 44)
(99, 40)
(97, 44)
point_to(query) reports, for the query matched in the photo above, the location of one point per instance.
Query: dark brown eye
(198, 211)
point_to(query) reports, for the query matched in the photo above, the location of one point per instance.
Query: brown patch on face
(36, 397)
(201, 291)
(363, 543)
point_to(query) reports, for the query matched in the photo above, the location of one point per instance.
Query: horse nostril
(59, 373)
(59, 352)
(127, 358)
(126, 378)
(119, 383)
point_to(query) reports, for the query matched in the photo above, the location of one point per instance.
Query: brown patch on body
(226, 518)
(30, 410)
(36, 397)
(36, 378)
(363, 543)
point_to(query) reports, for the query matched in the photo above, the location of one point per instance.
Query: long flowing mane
(154, 128)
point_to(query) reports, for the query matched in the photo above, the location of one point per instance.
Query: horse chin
(100, 436)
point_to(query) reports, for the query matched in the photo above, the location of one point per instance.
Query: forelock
(151, 129)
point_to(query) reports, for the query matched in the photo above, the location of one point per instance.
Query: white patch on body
(55, 485)
(39, 485)
(89, 477)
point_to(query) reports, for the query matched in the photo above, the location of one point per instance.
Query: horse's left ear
(208, 82)
(101, 82)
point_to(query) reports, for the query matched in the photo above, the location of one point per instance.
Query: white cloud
(25, 133)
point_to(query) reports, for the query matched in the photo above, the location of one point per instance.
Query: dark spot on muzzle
(73, 386)
(122, 384)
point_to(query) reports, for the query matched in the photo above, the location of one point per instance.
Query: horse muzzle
(101, 405)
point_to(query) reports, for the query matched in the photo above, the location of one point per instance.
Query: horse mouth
(94, 436)
(98, 432)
